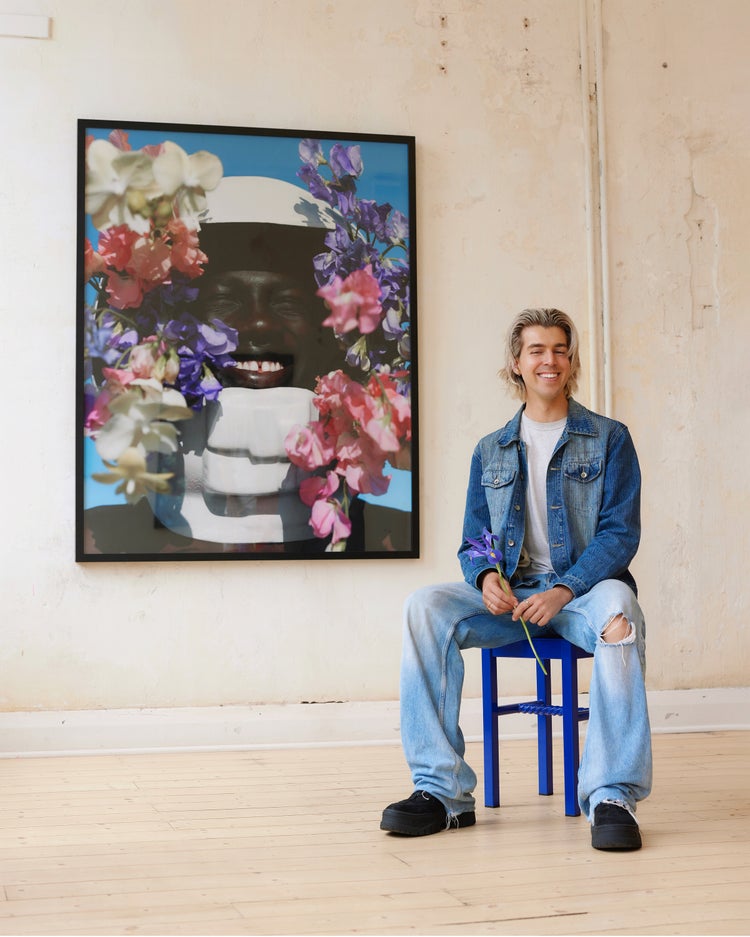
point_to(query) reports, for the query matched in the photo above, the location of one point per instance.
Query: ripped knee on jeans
(618, 630)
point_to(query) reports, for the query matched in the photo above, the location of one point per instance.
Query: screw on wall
(442, 66)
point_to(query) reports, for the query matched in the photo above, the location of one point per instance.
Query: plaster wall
(491, 90)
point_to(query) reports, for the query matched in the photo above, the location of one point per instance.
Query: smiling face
(280, 338)
(544, 366)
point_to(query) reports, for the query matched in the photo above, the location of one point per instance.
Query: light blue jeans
(442, 620)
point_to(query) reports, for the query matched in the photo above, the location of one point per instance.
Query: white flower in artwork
(131, 475)
(142, 417)
(119, 185)
(187, 179)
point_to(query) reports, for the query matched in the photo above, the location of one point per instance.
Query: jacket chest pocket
(497, 478)
(498, 487)
(582, 493)
(583, 472)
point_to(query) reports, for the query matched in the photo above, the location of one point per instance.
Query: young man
(560, 486)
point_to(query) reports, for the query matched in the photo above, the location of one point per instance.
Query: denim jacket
(593, 500)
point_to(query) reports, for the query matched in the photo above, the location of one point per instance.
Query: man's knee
(617, 630)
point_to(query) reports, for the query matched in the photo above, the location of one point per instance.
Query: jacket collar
(580, 423)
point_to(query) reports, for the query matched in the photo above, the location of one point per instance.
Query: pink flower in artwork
(119, 138)
(93, 262)
(116, 246)
(118, 379)
(150, 261)
(354, 302)
(361, 464)
(124, 291)
(329, 517)
(315, 488)
(359, 427)
(330, 392)
(99, 413)
(309, 447)
(388, 422)
(142, 360)
(187, 256)
(360, 478)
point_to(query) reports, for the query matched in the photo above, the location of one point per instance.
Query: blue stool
(548, 649)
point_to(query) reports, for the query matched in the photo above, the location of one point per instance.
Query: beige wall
(492, 91)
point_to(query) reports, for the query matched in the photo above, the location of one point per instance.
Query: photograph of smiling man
(247, 345)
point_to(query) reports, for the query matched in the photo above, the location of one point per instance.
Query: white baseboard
(30, 734)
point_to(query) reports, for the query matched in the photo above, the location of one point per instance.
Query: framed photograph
(246, 372)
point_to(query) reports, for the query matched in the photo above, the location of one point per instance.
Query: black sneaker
(422, 814)
(614, 827)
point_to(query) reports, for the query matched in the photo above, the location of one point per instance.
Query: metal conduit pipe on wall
(597, 246)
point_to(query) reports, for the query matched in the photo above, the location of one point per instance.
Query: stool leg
(490, 729)
(544, 729)
(571, 754)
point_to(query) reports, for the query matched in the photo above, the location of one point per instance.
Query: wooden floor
(287, 842)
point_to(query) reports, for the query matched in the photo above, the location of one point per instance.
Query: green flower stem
(506, 590)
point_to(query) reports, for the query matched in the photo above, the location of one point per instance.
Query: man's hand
(497, 600)
(540, 608)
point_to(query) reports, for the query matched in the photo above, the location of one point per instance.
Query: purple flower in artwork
(404, 346)
(311, 152)
(316, 184)
(180, 290)
(101, 341)
(394, 285)
(205, 339)
(373, 217)
(397, 227)
(392, 326)
(344, 257)
(195, 381)
(368, 234)
(346, 161)
(201, 347)
(220, 339)
(345, 199)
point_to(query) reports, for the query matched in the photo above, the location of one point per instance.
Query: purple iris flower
(486, 548)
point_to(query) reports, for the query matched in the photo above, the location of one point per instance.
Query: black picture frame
(246, 377)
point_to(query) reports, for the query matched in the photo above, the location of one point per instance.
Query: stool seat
(549, 649)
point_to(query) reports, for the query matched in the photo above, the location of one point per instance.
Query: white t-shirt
(540, 440)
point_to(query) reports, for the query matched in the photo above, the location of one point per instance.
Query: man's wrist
(567, 589)
(480, 578)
